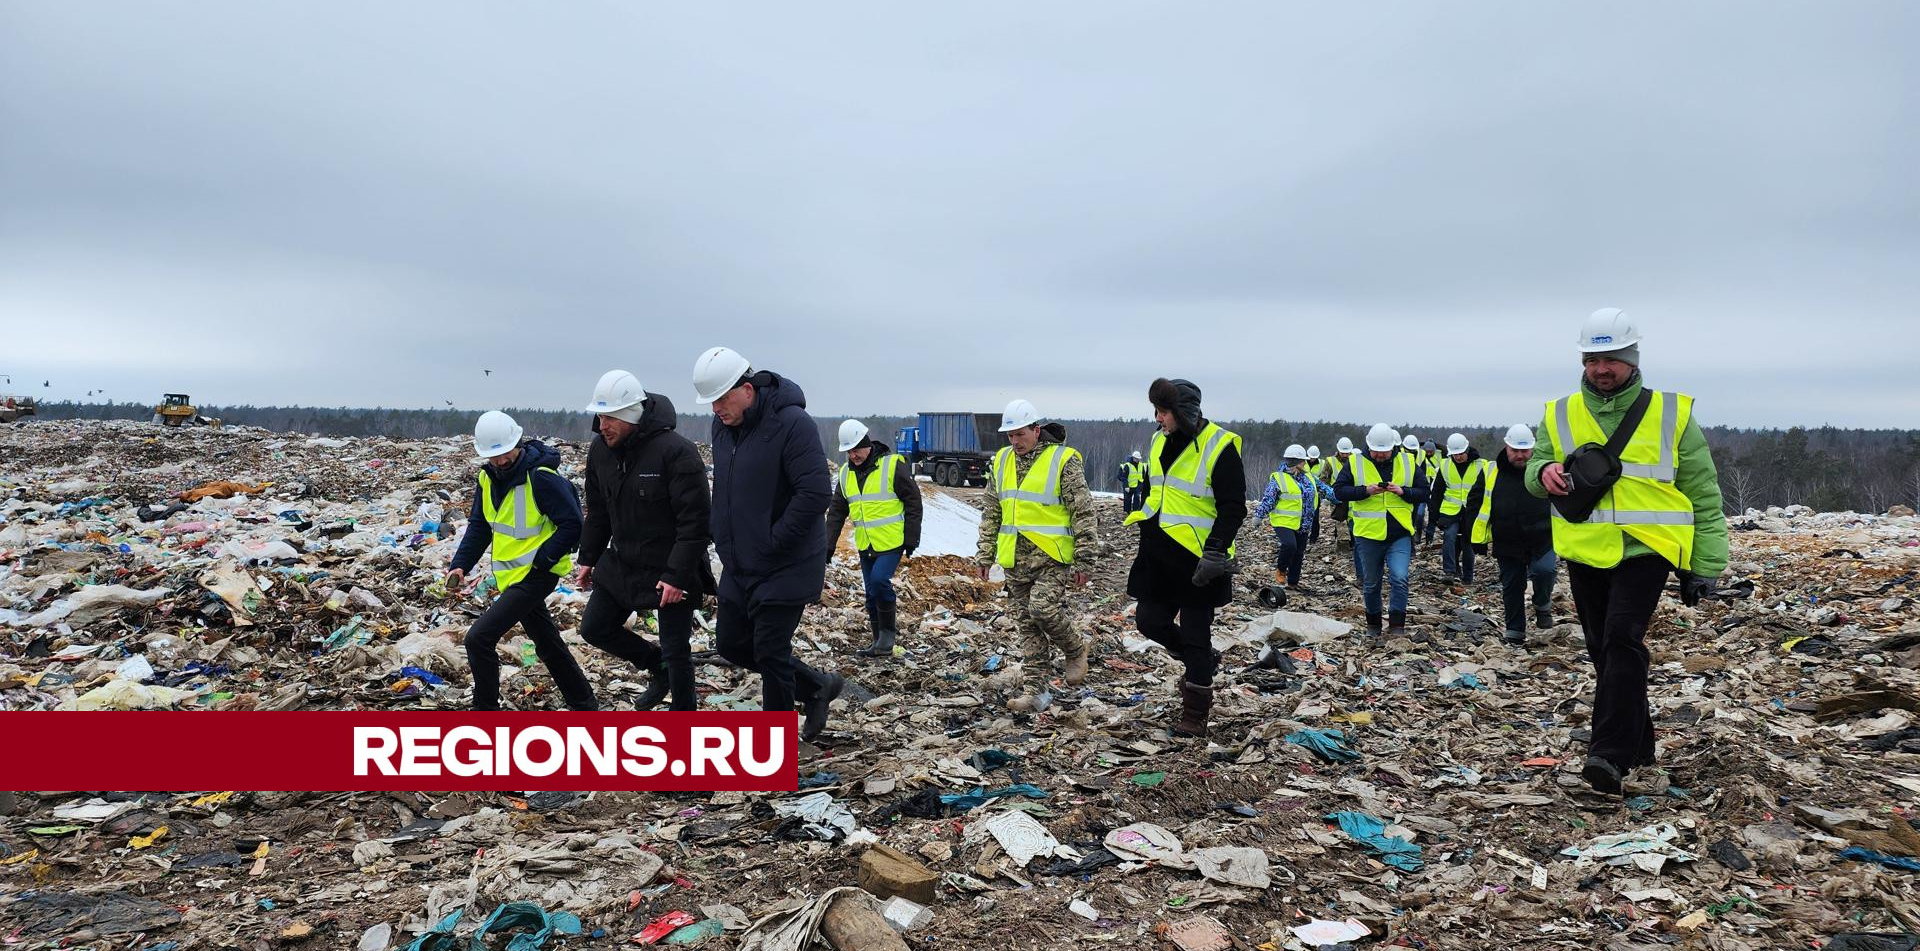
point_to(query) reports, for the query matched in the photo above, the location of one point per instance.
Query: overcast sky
(1345, 211)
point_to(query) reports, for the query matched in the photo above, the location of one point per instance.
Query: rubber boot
(1196, 702)
(887, 615)
(1602, 775)
(686, 695)
(657, 688)
(1396, 623)
(1543, 619)
(873, 629)
(1373, 625)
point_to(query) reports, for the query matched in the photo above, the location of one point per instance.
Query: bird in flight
(487, 372)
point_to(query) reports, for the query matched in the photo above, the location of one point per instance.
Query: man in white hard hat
(1621, 539)
(644, 548)
(771, 488)
(1182, 572)
(527, 513)
(1041, 528)
(1380, 489)
(1421, 516)
(1430, 463)
(1461, 489)
(875, 489)
(1133, 481)
(1290, 503)
(1517, 524)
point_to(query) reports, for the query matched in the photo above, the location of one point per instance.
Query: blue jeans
(1393, 557)
(1290, 549)
(1456, 554)
(876, 572)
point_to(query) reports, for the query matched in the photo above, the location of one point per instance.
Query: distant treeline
(1830, 469)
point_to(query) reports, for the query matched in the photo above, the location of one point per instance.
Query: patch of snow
(948, 526)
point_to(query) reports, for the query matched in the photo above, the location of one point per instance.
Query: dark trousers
(604, 625)
(1616, 605)
(525, 604)
(1456, 554)
(876, 575)
(761, 640)
(1290, 550)
(1313, 534)
(1190, 638)
(1514, 574)
(1431, 526)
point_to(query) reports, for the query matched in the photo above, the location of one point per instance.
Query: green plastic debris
(1149, 779)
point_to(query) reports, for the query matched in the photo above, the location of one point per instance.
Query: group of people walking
(1618, 482)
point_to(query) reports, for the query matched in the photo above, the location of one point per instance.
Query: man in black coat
(644, 547)
(1522, 535)
(770, 493)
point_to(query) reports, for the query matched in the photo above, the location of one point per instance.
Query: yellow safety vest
(1136, 474)
(1370, 514)
(1286, 512)
(1030, 508)
(1644, 503)
(1182, 497)
(1459, 484)
(1483, 519)
(879, 516)
(519, 529)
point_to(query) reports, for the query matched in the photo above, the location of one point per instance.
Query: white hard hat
(1345, 445)
(1136, 454)
(1456, 444)
(1295, 452)
(1606, 329)
(717, 371)
(1382, 438)
(1019, 414)
(1519, 436)
(1313, 452)
(1412, 443)
(618, 394)
(851, 432)
(495, 434)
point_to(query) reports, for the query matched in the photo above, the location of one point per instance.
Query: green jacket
(1696, 477)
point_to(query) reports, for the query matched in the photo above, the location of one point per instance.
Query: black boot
(1543, 618)
(873, 629)
(1602, 775)
(889, 615)
(827, 686)
(656, 691)
(1373, 625)
(1396, 623)
(686, 695)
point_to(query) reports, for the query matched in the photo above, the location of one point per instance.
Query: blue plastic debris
(1371, 832)
(979, 796)
(1859, 854)
(1330, 745)
(423, 675)
(818, 780)
(993, 664)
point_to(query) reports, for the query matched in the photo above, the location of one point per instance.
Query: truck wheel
(157, 420)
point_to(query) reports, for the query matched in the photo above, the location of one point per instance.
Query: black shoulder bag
(1592, 469)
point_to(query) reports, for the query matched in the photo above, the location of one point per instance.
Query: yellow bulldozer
(176, 409)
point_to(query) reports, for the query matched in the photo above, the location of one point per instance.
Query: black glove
(1693, 588)
(1213, 566)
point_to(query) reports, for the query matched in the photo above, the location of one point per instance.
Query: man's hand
(668, 593)
(1374, 490)
(1395, 488)
(456, 578)
(1554, 478)
(583, 579)
(1693, 588)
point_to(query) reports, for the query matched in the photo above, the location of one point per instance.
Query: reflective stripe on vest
(519, 529)
(1459, 484)
(879, 516)
(1644, 503)
(1286, 511)
(1182, 497)
(1483, 519)
(1136, 474)
(1030, 508)
(1370, 514)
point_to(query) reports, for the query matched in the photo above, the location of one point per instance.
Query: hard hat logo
(1603, 338)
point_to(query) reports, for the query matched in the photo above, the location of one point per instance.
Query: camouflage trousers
(1037, 602)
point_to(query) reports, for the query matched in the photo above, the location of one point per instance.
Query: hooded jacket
(648, 512)
(1695, 475)
(771, 487)
(551, 492)
(903, 486)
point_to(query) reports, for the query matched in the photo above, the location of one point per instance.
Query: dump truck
(952, 449)
(14, 407)
(176, 409)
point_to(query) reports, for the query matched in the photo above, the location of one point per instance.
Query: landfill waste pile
(1419, 792)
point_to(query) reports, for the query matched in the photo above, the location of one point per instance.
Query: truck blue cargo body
(956, 432)
(952, 448)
